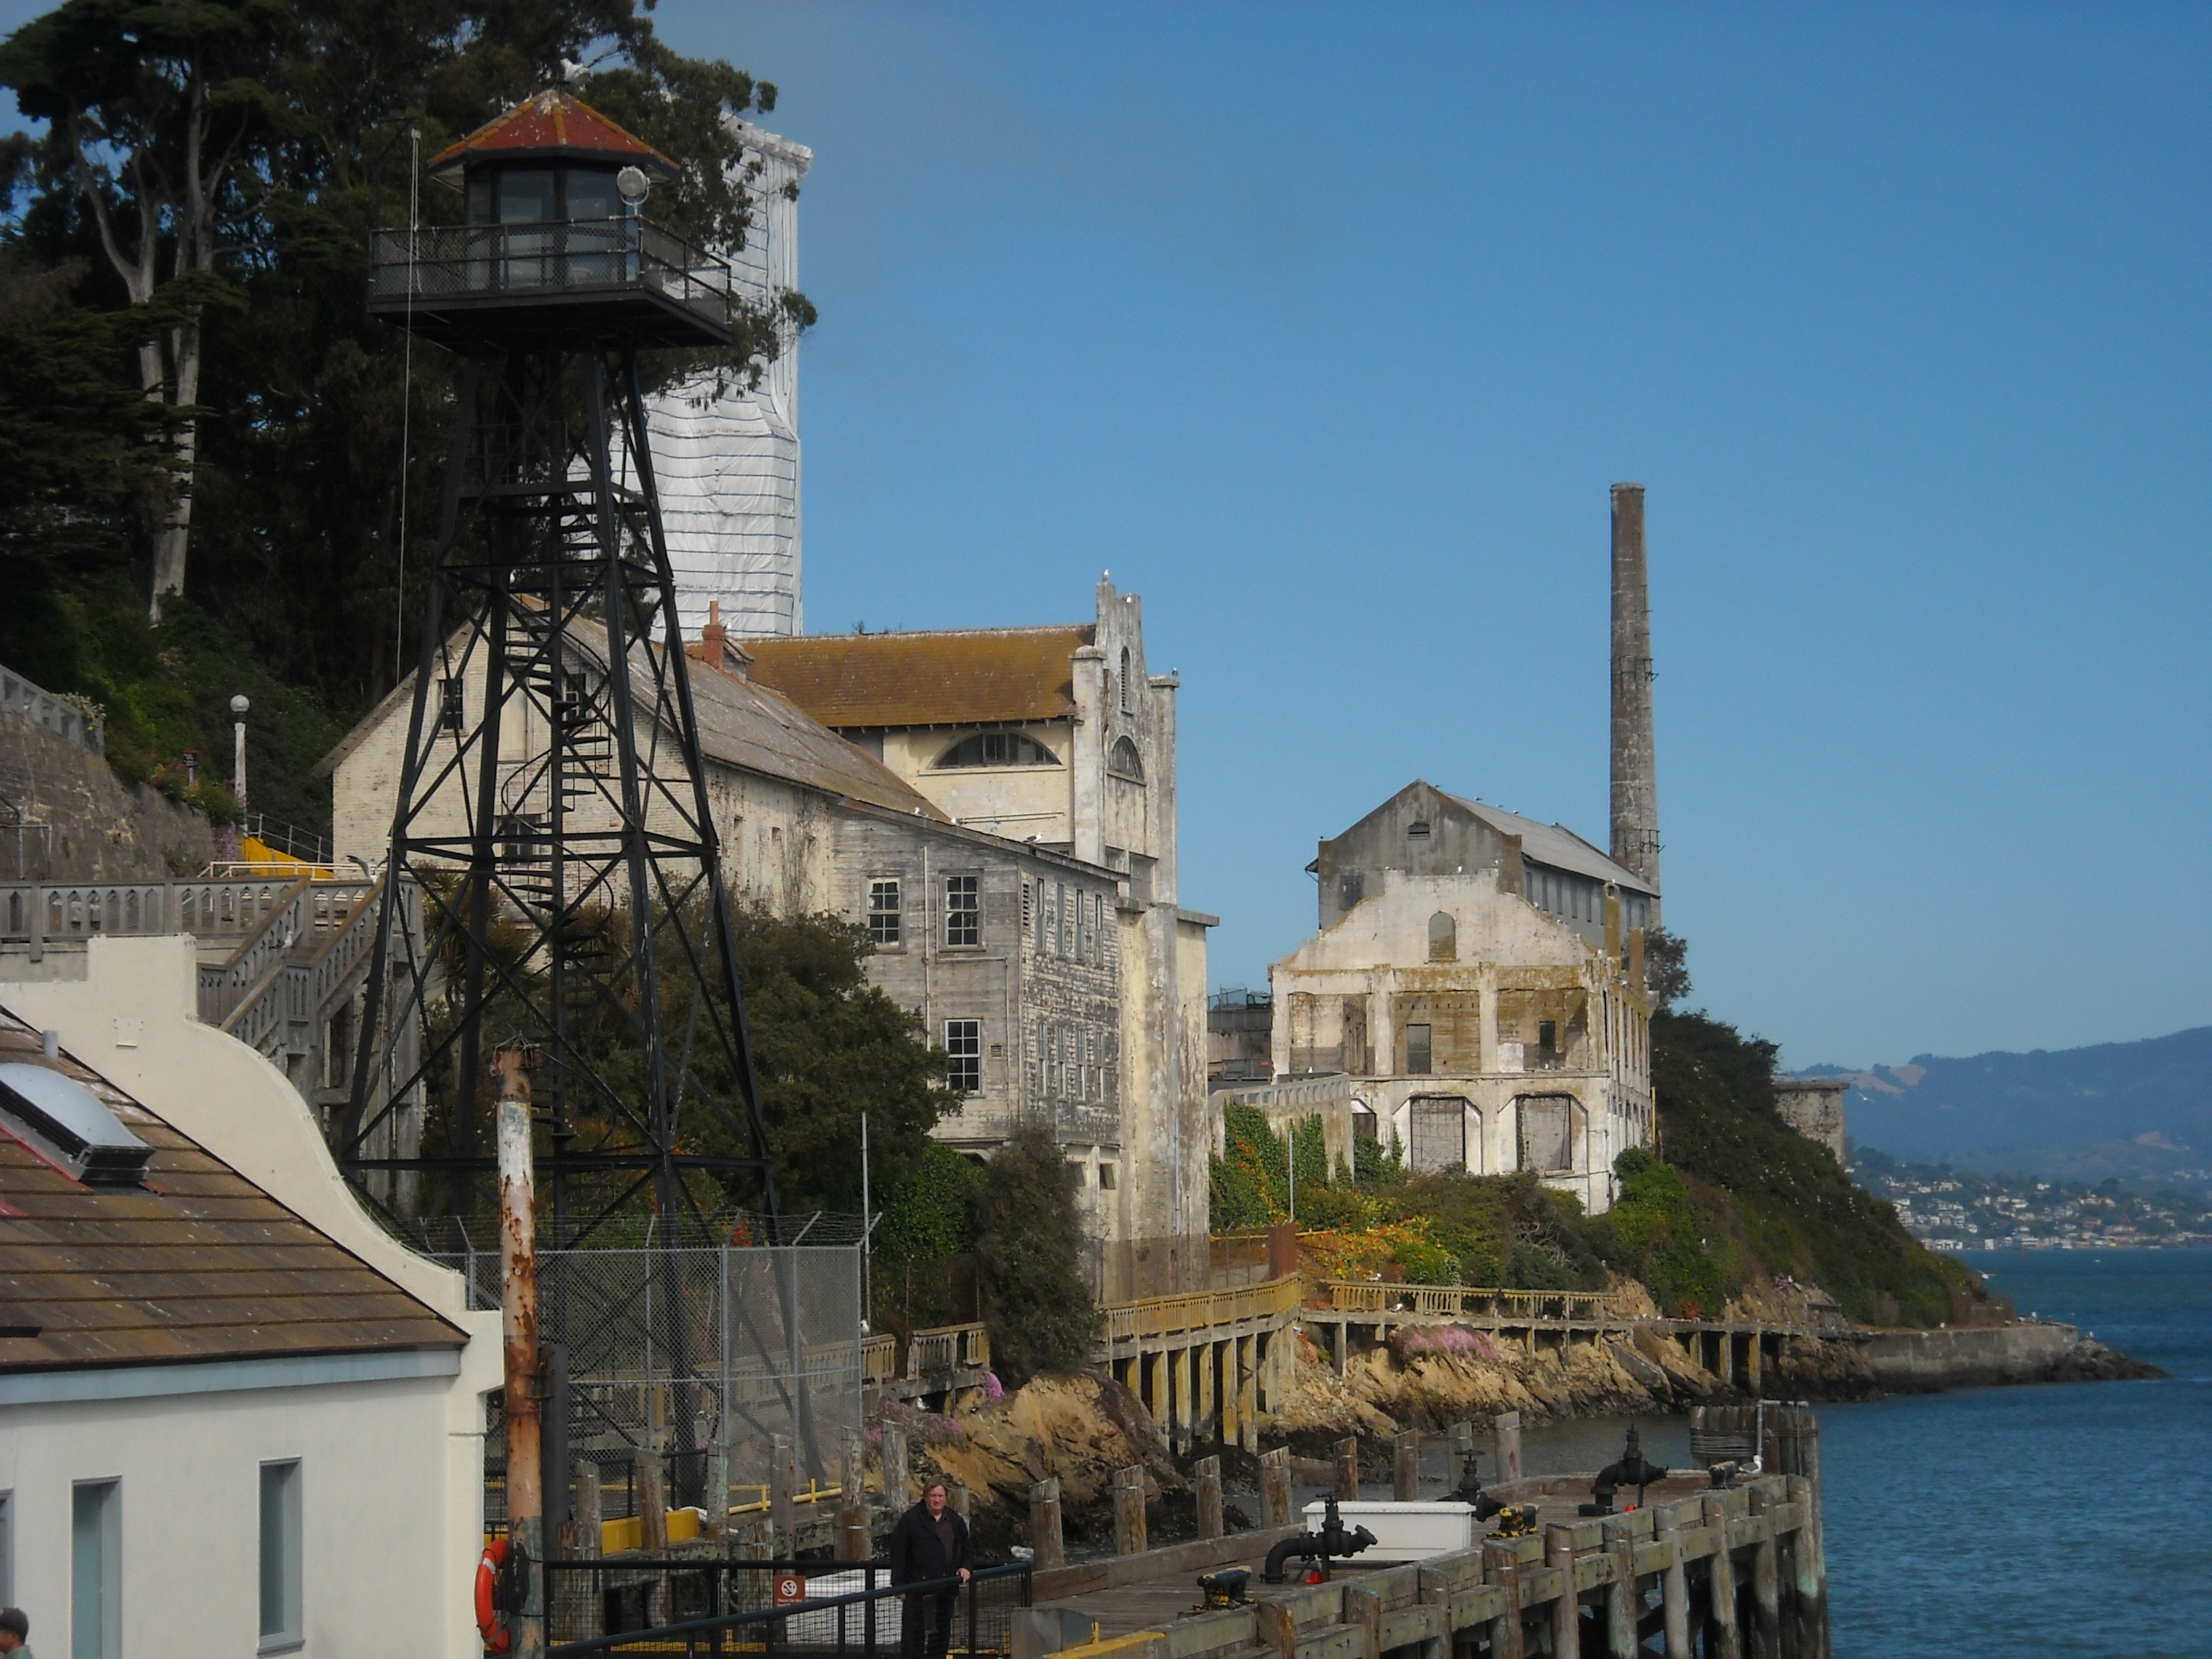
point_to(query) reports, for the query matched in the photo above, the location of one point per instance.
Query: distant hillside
(2141, 1111)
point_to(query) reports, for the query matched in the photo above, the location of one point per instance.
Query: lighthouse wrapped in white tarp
(727, 458)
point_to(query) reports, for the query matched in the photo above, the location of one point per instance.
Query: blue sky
(1326, 329)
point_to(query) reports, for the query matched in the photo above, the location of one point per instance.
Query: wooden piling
(1044, 1525)
(1129, 1511)
(1275, 1487)
(782, 1476)
(1232, 1420)
(1624, 1602)
(1674, 1586)
(575, 1603)
(854, 1543)
(1566, 1607)
(1248, 1393)
(717, 1526)
(651, 1497)
(1506, 1438)
(1722, 1638)
(1405, 1466)
(1501, 1565)
(1766, 1591)
(1807, 1617)
(1209, 1421)
(1208, 1473)
(1363, 1612)
(1347, 1468)
(898, 1482)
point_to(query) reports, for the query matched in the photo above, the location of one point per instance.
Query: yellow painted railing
(1198, 1310)
(687, 1524)
(1461, 1302)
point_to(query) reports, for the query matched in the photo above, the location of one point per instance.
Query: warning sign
(790, 1590)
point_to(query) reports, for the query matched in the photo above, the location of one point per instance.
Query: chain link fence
(670, 1353)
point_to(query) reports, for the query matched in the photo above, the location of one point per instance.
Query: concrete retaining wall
(1919, 1362)
(103, 827)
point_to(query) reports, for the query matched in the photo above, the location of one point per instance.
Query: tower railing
(566, 260)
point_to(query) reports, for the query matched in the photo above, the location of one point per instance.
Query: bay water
(2064, 1520)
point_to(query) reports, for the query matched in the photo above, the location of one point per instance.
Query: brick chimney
(714, 639)
(716, 648)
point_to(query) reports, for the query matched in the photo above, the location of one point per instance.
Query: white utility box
(1405, 1532)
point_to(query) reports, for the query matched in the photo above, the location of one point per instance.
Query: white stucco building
(1479, 977)
(235, 1415)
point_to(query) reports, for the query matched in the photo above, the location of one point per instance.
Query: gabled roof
(951, 677)
(198, 1264)
(1554, 844)
(741, 724)
(551, 126)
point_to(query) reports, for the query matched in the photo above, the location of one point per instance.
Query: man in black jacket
(930, 1542)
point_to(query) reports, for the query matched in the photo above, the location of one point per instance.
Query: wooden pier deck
(1725, 1574)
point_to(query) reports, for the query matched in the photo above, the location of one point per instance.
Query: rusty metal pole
(518, 1264)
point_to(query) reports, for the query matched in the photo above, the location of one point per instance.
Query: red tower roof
(551, 127)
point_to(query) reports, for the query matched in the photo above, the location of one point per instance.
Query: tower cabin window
(542, 196)
(1123, 761)
(1443, 937)
(996, 749)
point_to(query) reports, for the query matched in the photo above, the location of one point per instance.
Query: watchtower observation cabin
(555, 242)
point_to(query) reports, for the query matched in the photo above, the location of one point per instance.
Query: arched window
(1123, 761)
(1443, 937)
(996, 749)
(1129, 683)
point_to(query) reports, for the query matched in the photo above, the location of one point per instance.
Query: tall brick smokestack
(1634, 771)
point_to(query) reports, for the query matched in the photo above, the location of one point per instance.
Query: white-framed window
(963, 910)
(883, 913)
(963, 1049)
(283, 1627)
(96, 1570)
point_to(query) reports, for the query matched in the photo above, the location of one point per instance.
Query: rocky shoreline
(1084, 1427)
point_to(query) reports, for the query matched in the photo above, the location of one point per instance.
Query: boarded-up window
(1356, 1056)
(1444, 938)
(1439, 1125)
(1547, 1132)
(1417, 1051)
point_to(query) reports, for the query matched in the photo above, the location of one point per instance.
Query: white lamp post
(237, 708)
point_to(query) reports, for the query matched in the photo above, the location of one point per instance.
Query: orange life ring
(496, 1636)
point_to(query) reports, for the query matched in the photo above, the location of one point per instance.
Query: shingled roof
(741, 724)
(197, 1264)
(954, 676)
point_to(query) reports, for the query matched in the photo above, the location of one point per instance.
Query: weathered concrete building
(1814, 1107)
(1479, 977)
(1059, 737)
(1027, 962)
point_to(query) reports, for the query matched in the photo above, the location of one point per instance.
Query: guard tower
(552, 836)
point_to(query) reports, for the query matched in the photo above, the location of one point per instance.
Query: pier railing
(1472, 1302)
(1198, 1310)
